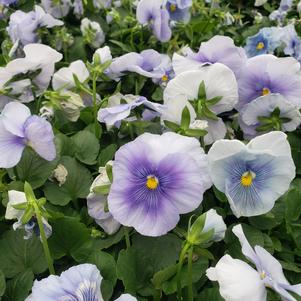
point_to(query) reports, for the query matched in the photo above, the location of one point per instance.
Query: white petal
(237, 280)
(216, 130)
(14, 198)
(126, 297)
(215, 221)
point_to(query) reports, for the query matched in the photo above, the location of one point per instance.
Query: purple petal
(161, 27)
(40, 137)
(11, 148)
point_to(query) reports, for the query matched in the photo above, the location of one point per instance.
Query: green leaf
(195, 133)
(64, 145)
(19, 287)
(107, 154)
(293, 205)
(198, 270)
(103, 189)
(86, 147)
(18, 255)
(33, 169)
(2, 284)
(185, 118)
(137, 265)
(68, 235)
(210, 294)
(171, 125)
(213, 101)
(77, 184)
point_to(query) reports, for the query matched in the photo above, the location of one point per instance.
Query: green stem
(127, 237)
(179, 270)
(157, 295)
(95, 103)
(44, 239)
(190, 289)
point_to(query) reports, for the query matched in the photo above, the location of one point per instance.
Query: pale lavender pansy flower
(265, 74)
(219, 49)
(183, 91)
(179, 10)
(8, 2)
(97, 203)
(255, 175)
(154, 14)
(103, 55)
(78, 8)
(81, 282)
(153, 184)
(23, 26)
(64, 78)
(287, 120)
(31, 227)
(280, 13)
(145, 63)
(165, 70)
(58, 9)
(19, 128)
(292, 42)
(240, 281)
(116, 111)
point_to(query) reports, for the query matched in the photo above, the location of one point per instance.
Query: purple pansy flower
(265, 74)
(179, 10)
(145, 63)
(219, 49)
(81, 282)
(58, 9)
(8, 2)
(155, 179)
(156, 16)
(18, 129)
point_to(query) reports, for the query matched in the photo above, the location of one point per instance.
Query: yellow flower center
(247, 178)
(260, 46)
(265, 91)
(164, 78)
(173, 7)
(263, 275)
(152, 182)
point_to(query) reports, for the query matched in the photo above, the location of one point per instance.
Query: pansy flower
(153, 13)
(18, 129)
(240, 281)
(116, 111)
(265, 41)
(266, 74)
(58, 9)
(81, 282)
(23, 26)
(219, 49)
(155, 179)
(146, 63)
(179, 10)
(221, 94)
(267, 113)
(255, 175)
(97, 203)
(92, 33)
(20, 77)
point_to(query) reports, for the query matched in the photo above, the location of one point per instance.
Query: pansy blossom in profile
(155, 15)
(155, 179)
(239, 281)
(18, 129)
(255, 175)
(219, 49)
(81, 282)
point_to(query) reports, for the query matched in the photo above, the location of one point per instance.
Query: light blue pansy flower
(255, 175)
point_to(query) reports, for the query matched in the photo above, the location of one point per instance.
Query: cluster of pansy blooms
(154, 178)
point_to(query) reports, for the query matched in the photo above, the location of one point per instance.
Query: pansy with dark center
(156, 178)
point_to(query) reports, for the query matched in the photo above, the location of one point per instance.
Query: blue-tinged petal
(126, 297)
(161, 27)
(40, 137)
(11, 148)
